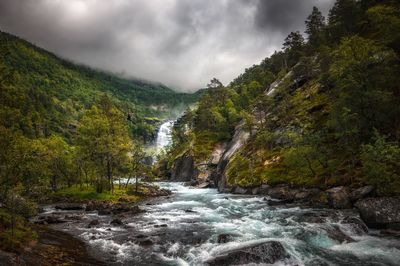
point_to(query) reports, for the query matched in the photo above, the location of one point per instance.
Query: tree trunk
(127, 182)
(54, 183)
(109, 175)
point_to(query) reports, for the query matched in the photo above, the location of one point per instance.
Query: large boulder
(240, 190)
(282, 192)
(360, 193)
(381, 212)
(183, 169)
(338, 198)
(268, 252)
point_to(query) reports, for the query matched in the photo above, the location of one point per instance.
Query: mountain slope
(42, 93)
(321, 113)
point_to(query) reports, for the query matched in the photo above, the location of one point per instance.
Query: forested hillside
(324, 111)
(42, 94)
(65, 126)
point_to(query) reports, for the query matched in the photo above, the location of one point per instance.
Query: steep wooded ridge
(68, 132)
(318, 121)
(43, 94)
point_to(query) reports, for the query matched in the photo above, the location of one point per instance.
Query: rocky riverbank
(53, 247)
(376, 212)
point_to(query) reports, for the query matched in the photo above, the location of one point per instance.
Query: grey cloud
(182, 43)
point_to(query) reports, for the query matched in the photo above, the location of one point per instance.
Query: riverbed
(195, 225)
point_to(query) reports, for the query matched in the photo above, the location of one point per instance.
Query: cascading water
(164, 136)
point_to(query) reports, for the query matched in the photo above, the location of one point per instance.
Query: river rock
(358, 226)
(204, 185)
(268, 252)
(50, 219)
(263, 189)
(381, 212)
(104, 212)
(93, 223)
(145, 242)
(116, 221)
(336, 234)
(160, 225)
(282, 192)
(239, 190)
(338, 198)
(360, 193)
(70, 206)
(224, 238)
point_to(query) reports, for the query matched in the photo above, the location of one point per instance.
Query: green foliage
(14, 231)
(242, 171)
(41, 94)
(381, 161)
(104, 142)
(314, 25)
(85, 192)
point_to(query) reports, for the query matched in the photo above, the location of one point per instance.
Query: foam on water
(184, 230)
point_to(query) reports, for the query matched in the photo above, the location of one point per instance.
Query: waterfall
(164, 136)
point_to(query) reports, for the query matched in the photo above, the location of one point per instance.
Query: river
(194, 225)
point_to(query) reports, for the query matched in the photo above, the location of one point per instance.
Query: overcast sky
(181, 43)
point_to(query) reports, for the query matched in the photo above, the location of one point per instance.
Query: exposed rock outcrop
(381, 212)
(239, 139)
(183, 169)
(268, 252)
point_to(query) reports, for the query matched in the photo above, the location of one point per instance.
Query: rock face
(239, 139)
(183, 169)
(217, 153)
(380, 212)
(338, 198)
(268, 252)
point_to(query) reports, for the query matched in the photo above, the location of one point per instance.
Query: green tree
(381, 165)
(137, 168)
(293, 47)
(384, 25)
(314, 25)
(343, 19)
(104, 141)
(59, 161)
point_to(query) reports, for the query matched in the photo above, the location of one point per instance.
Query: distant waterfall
(164, 136)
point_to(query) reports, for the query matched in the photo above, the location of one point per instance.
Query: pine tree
(314, 24)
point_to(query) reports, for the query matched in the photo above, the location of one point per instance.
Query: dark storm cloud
(286, 15)
(182, 43)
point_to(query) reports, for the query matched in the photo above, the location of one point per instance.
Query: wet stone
(93, 223)
(269, 252)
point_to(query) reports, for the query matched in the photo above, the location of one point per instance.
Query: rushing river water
(185, 229)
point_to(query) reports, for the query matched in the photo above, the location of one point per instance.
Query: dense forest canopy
(323, 111)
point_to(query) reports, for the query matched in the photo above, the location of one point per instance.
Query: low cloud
(181, 43)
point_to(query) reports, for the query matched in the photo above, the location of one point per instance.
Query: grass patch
(89, 193)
